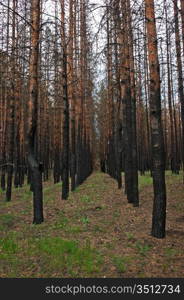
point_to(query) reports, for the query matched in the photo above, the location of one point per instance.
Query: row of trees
(140, 110)
(46, 101)
(48, 118)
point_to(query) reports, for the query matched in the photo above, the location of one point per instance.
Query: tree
(180, 72)
(34, 165)
(65, 162)
(157, 143)
(128, 104)
(11, 114)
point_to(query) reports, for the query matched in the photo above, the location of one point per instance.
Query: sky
(95, 18)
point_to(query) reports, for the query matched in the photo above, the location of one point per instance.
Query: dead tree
(34, 165)
(65, 161)
(158, 168)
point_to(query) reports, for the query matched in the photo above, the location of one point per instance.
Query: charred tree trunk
(36, 172)
(180, 74)
(11, 113)
(159, 205)
(65, 162)
(72, 94)
(128, 106)
(173, 158)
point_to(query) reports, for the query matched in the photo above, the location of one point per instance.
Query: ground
(95, 233)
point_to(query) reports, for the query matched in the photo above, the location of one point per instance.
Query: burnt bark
(33, 163)
(157, 141)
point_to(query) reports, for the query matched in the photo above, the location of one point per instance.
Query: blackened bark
(65, 167)
(180, 75)
(73, 156)
(158, 171)
(11, 112)
(36, 181)
(33, 163)
(10, 159)
(65, 161)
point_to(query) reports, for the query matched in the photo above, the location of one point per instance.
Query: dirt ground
(98, 214)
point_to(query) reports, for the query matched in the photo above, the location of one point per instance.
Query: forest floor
(95, 233)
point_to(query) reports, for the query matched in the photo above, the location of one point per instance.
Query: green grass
(143, 249)
(50, 255)
(116, 214)
(121, 263)
(8, 246)
(74, 229)
(85, 199)
(145, 180)
(9, 260)
(62, 222)
(170, 252)
(7, 221)
(65, 256)
(174, 177)
(85, 220)
(91, 185)
(1, 191)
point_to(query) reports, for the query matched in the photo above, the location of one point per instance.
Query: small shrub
(143, 249)
(85, 199)
(85, 220)
(121, 263)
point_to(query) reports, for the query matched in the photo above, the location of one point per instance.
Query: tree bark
(180, 74)
(35, 168)
(65, 162)
(159, 204)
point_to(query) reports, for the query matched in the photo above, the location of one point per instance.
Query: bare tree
(158, 171)
(34, 165)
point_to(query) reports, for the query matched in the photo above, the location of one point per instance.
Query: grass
(143, 249)
(66, 255)
(170, 252)
(174, 176)
(121, 263)
(8, 246)
(62, 222)
(74, 229)
(145, 180)
(7, 221)
(85, 220)
(9, 261)
(117, 214)
(53, 255)
(85, 199)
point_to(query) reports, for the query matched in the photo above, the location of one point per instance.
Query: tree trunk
(65, 169)
(11, 113)
(36, 174)
(180, 73)
(159, 205)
